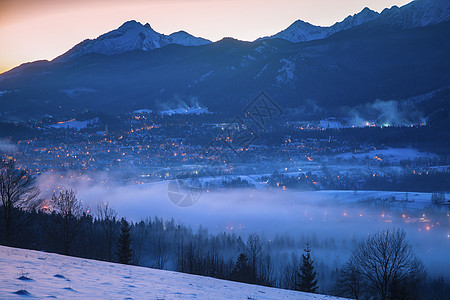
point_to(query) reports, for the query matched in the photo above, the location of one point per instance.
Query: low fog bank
(314, 215)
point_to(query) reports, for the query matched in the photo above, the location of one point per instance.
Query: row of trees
(433, 139)
(419, 182)
(382, 266)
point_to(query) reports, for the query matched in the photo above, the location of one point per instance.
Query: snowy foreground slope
(46, 275)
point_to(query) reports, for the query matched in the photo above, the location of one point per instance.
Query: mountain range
(418, 13)
(398, 54)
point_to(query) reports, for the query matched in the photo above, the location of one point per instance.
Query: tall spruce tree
(242, 270)
(307, 281)
(124, 252)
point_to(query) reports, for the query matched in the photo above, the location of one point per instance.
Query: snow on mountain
(301, 31)
(185, 111)
(418, 13)
(4, 92)
(131, 36)
(42, 275)
(143, 111)
(286, 74)
(204, 76)
(74, 92)
(262, 71)
(185, 39)
(366, 15)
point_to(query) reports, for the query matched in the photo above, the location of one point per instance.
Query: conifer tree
(307, 281)
(124, 253)
(242, 271)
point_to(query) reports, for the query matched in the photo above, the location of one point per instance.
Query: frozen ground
(41, 275)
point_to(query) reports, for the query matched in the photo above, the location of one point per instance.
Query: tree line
(382, 266)
(425, 182)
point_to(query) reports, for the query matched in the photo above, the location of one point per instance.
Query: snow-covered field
(73, 124)
(39, 275)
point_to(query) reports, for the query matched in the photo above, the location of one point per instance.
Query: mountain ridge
(417, 13)
(301, 31)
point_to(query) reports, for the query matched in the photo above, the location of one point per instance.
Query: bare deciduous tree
(70, 208)
(254, 251)
(384, 265)
(17, 191)
(289, 278)
(108, 218)
(140, 235)
(161, 250)
(349, 281)
(266, 273)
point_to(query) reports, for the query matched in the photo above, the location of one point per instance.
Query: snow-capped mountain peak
(130, 36)
(301, 31)
(131, 24)
(366, 15)
(417, 13)
(185, 39)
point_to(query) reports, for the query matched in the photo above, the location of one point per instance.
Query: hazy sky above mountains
(43, 29)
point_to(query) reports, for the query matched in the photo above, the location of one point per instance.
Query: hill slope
(46, 275)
